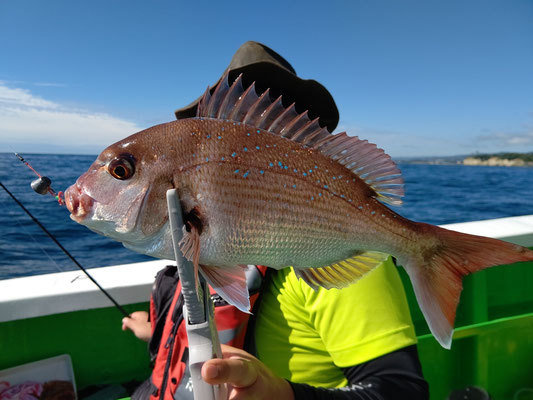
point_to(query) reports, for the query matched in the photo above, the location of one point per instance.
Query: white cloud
(26, 118)
(22, 97)
(510, 139)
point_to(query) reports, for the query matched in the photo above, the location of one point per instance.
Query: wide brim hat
(262, 65)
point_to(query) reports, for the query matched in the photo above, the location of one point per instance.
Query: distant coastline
(503, 160)
(492, 160)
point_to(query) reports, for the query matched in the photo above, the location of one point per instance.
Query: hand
(138, 323)
(247, 377)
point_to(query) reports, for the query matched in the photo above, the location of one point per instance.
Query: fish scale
(238, 210)
(294, 189)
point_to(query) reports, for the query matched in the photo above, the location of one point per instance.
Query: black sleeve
(396, 375)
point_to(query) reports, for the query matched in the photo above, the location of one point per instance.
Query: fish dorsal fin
(364, 159)
(342, 273)
(367, 161)
(236, 104)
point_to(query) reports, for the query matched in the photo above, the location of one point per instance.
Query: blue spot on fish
(261, 172)
(286, 167)
(248, 134)
(222, 158)
(245, 149)
(236, 171)
(373, 212)
(294, 186)
(208, 137)
(246, 174)
(219, 137)
(257, 147)
(325, 186)
(258, 131)
(305, 173)
(233, 154)
(206, 159)
(280, 164)
(295, 170)
(320, 194)
(270, 164)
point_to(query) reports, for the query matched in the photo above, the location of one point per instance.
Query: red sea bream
(261, 184)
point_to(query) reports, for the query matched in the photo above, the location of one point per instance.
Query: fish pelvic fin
(235, 103)
(229, 283)
(343, 273)
(436, 274)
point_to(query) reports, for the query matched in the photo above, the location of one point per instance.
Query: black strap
(162, 296)
(249, 337)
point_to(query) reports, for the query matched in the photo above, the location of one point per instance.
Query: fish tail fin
(437, 272)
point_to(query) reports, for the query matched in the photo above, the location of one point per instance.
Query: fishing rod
(44, 187)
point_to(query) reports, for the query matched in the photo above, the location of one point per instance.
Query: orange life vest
(170, 374)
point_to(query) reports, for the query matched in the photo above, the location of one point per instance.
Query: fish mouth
(79, 203)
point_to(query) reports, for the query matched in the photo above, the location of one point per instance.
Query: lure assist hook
(43, 184)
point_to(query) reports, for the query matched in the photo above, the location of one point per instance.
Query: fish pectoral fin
(229, 283)
(342, 273)
(190, 248)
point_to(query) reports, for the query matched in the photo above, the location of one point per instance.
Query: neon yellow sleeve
(307, 336)
(365, 320)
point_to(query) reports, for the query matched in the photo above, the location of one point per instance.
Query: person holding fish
(341, 351)
(263, 181)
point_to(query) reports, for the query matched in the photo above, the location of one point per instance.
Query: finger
(140, 315)
(128, 323)
(235, 371)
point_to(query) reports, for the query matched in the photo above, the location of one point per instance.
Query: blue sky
(418, 78)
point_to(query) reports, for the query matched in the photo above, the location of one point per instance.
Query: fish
(260, 183)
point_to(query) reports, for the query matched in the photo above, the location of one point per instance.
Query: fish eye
(121, 167)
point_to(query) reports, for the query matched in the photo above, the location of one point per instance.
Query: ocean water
(436, 194)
